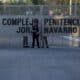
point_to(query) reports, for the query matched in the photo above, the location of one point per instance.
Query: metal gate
(9, 37)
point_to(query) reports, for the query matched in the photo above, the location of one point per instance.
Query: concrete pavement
(40, 64)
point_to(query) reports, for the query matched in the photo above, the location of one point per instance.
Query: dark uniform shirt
(35, 30)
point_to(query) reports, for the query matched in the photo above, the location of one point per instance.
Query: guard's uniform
(35, 33)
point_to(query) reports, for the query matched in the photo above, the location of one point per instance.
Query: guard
(35, 33)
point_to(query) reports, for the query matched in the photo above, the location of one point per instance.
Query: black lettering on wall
(4, 21)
